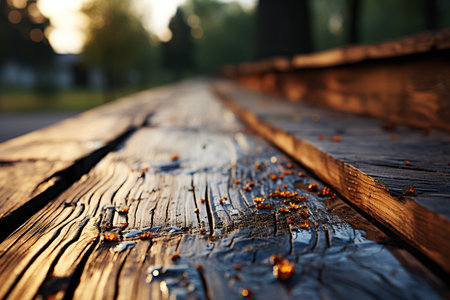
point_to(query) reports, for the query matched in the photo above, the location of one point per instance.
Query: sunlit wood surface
(178, 163)
(396, 174)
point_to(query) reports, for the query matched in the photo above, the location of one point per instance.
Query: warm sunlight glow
(68, 23)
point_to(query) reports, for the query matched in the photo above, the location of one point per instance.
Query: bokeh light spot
(36, 35)
(14, 17)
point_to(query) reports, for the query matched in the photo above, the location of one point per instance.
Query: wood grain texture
(415, 44)
(370, 167)
(61, 251)
(35, 167)
(405, 81)
(412, 91)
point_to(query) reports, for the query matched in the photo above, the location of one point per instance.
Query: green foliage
(116, 40)
(228, 33)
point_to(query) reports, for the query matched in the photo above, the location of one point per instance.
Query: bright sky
(67, 22)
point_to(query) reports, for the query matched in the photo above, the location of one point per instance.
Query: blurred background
(60, 57)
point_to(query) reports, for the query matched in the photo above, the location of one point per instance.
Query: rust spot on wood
(146, 236)
(111, 237)
(336, 138)
(411, 191)
(246, 293)
(312, 187)
(282, 268)
(304, 224)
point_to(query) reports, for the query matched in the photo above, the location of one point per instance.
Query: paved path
(15, 124)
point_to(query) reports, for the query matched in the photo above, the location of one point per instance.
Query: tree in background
(178, 52)
(23, 41)
(223, 33)
(283, 28)
(117, 42)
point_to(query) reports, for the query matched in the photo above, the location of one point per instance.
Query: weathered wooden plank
(37, 166)
(410, 45)
(411, 91)
(405, 80)
(61, 251)
(371, 167)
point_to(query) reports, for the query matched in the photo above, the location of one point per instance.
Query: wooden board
(415, 44)
(411, 91)
(405, 81)
(37, 166)
(61, 251)
(370, 167)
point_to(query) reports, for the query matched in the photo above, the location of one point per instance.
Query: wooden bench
(167, 194)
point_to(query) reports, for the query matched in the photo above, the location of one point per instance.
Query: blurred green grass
(23, 100)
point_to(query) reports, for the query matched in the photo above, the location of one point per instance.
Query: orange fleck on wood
(304, 213)
(285, 186)
(112, 237)
(407, 162)
(202, 230)
(322, 136)
(265, 206)
(283, 269)
(258, 200)
(293, 206)
(123, 210)
(382, 236)
(291, 219)
(175, 256)
(202, 200)
(324, 192)
(395, 137)
(258, 165)
(417, 167)
(146, 236)
(174, 157)
(251, 184)
(289, 166)
(304, 224)
(301, 174)
(273, 177)
(237, 181)
(281, 176)
(287, 172)
(336, 138)
(246, 293)
(238, 267)
(283, 210)
(199, 267)
(312, 187)
(411, 191)
(235, 164)
(124, 224)
(247, 189)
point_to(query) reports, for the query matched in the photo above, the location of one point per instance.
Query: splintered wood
(192, 206)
